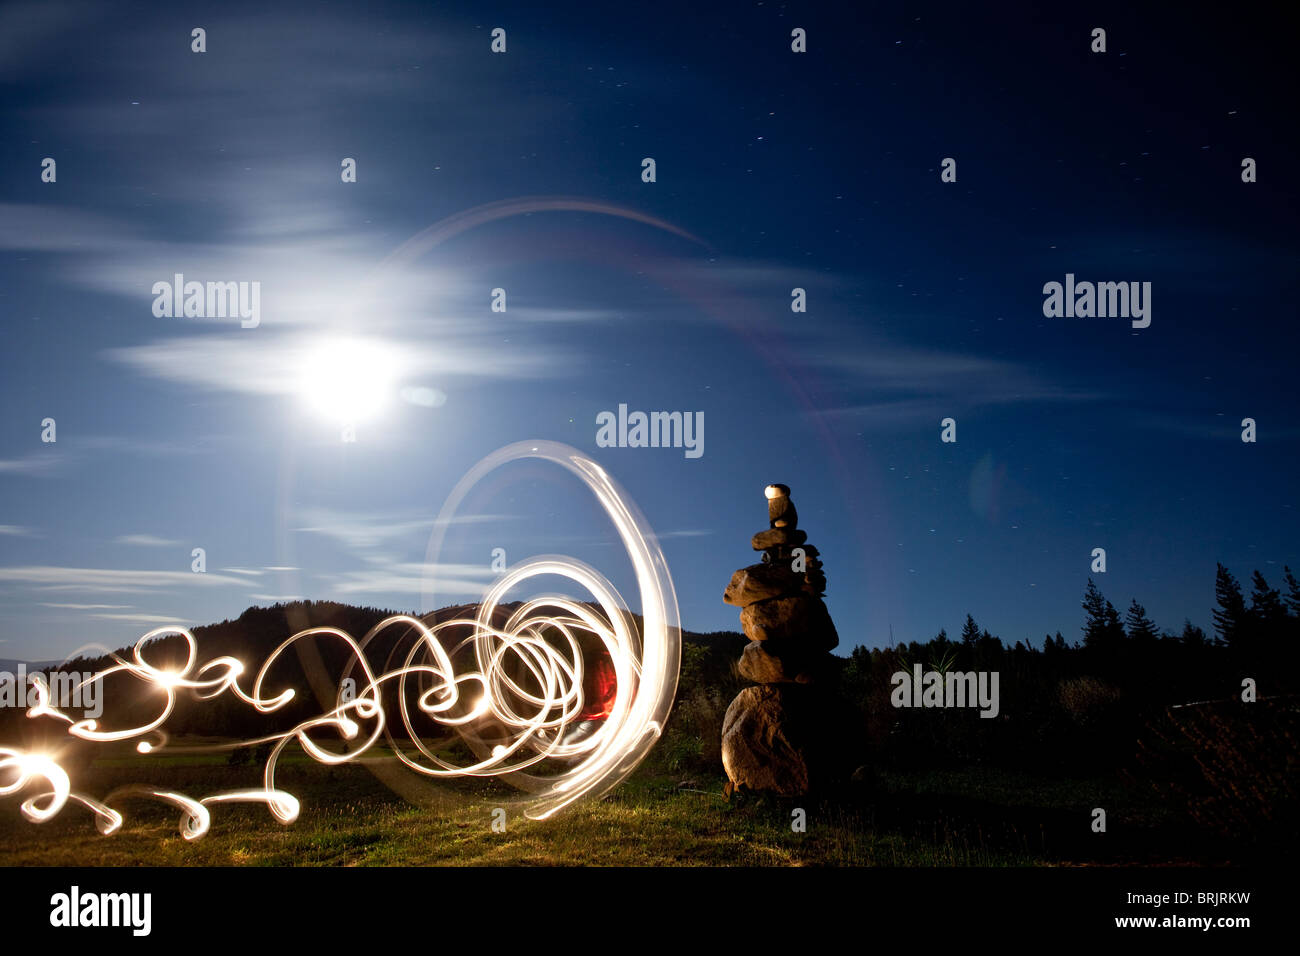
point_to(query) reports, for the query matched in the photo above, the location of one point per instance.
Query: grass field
(350, 818)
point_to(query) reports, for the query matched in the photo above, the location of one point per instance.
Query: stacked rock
(768, 731)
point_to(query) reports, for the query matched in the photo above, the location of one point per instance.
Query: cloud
(361, 531)
(903, 385)
(146, 541)
(137, 446)
(16, 531)
(900, 413)
(1207, 426)
(445, 580)
(140, 618)
(537, 314)
(107, 580)
(30, 465)
(29, 28)
(45, 228)
(86, 607)
(258, 362)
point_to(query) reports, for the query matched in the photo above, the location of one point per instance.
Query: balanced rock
(778, 737)
(764, 663)
(758, 582)
(781, 512)
(778, 538)
(763, 745)
(800, 617)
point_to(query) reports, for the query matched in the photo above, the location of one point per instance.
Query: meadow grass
(350, 818)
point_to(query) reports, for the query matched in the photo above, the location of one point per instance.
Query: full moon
(347, 380)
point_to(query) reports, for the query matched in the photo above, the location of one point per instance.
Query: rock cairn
(770, 732)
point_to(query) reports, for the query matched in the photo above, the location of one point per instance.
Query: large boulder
(764, 662)
(801, 618)
(764, 743)
(758, 582)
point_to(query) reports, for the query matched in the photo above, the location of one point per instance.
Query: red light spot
(599, 689)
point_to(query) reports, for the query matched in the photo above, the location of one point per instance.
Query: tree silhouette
(1140, 627)
(1266, 604)
(1094, 606)
(1102, 629)
(1192, 635)
(1231, 617)
(1292, 592)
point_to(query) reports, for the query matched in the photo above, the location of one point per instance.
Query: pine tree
(1094, 625)
(1265, 602)
(1267, 612)
(1140, 627)
(1114, 627)
(1231, 617)
(970, 631)
(1192, 635)
(1292, 592)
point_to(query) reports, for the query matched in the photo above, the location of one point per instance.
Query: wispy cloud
(271, 364)
(537, 314)
(30, 27)
(136, 446)
(1209, 426)
(258, 572)
(446, 580)
(902, 385)
(16, 531)
(85, 607)
(147, 541)
(30, 465)
(361, 531)
(139, 618)
(108, 580)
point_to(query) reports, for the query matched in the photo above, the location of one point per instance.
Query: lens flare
(508, 682)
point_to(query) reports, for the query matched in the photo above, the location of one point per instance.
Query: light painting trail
(517, 702)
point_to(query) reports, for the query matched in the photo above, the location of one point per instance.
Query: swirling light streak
(526, 683)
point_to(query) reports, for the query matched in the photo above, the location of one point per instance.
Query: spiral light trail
(518, 703)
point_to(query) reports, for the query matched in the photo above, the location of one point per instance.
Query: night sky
(522, 170)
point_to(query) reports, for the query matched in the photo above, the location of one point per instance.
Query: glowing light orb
(347, 380)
